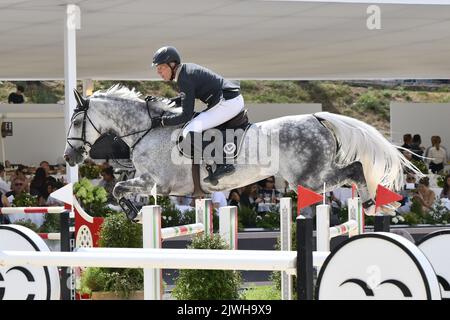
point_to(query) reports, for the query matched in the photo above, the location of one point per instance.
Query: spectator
(38, 186)
(416, 147)
(17, 97)
(18, 187)
(182, 204)
(268, 193)
(108, 182)
(407, 192)
(438, 155)
(4, 218)
(249, 195)
(4, 187)
(218, 199)
(46, 166)
(445, 194)
(425, 195)
(407, 141)
(234, 198)
(52, 186)
(21, 173)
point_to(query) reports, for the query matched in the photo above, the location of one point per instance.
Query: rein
(83, 108)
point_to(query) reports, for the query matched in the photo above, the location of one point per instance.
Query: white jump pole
(228, 225)
(151, 238)
(323, 228)
(286, 245)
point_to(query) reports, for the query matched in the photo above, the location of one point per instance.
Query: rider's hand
(149, 98)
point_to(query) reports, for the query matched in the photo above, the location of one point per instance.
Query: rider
(222, 97)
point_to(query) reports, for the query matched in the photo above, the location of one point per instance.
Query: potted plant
(207, 284)
(116, 283)
(92, 198)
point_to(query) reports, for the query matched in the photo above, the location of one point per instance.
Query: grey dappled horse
(309, 149)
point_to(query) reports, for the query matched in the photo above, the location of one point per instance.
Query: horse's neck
(124, 121)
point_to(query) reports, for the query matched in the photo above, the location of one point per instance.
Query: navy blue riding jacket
(198, 82)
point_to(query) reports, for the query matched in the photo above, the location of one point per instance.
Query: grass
(266, 292)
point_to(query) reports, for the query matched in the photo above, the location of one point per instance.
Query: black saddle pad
(109, 146)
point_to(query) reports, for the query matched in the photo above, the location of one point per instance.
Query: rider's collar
(178, 72)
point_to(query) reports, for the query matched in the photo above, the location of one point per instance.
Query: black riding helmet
(166, 55)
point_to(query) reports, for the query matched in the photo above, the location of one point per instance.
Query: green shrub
(28, 224)
(247, 217)
(261, 293)
(116, 232)
(51, 223)
(119, 232)
(90, 171)
(25, 200)
(120, 281)
(196, 284)
(269, 220)
(276, 275)
(420, 165)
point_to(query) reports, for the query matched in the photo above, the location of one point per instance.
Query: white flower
(401, 218)
(258, 218)
(395, 220)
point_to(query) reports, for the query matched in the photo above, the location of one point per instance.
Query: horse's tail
(357, 141)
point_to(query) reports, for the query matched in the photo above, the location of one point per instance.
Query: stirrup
(129, 208)
(210, 178)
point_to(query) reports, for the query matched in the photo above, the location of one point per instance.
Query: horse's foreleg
(142, 184)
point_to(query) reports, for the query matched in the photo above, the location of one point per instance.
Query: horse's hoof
(370, 211)
(388, 209)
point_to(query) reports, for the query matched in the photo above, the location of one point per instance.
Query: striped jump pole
(50, 236)
(172, 232)
(352, 227)
(30, 210)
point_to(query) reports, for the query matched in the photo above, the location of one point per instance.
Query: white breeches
(220, 113)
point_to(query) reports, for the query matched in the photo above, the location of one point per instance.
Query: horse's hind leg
(353, 173)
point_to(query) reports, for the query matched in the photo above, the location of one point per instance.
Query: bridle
(83, 107)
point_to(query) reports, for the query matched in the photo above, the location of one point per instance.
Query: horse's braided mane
(120, 92)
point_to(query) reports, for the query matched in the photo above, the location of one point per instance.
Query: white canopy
(240, 39)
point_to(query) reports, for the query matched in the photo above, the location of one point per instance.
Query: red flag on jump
(306, 197)
(385, 196)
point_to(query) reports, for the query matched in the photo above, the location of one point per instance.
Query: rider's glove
(150, 98)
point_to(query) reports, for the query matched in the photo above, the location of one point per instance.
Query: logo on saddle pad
(229, 148)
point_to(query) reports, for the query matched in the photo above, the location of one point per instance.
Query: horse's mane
(120, 92)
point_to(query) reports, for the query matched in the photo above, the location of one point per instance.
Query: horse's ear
(80, 101)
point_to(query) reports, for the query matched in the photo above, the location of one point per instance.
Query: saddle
(231, 132)
(232, 135)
